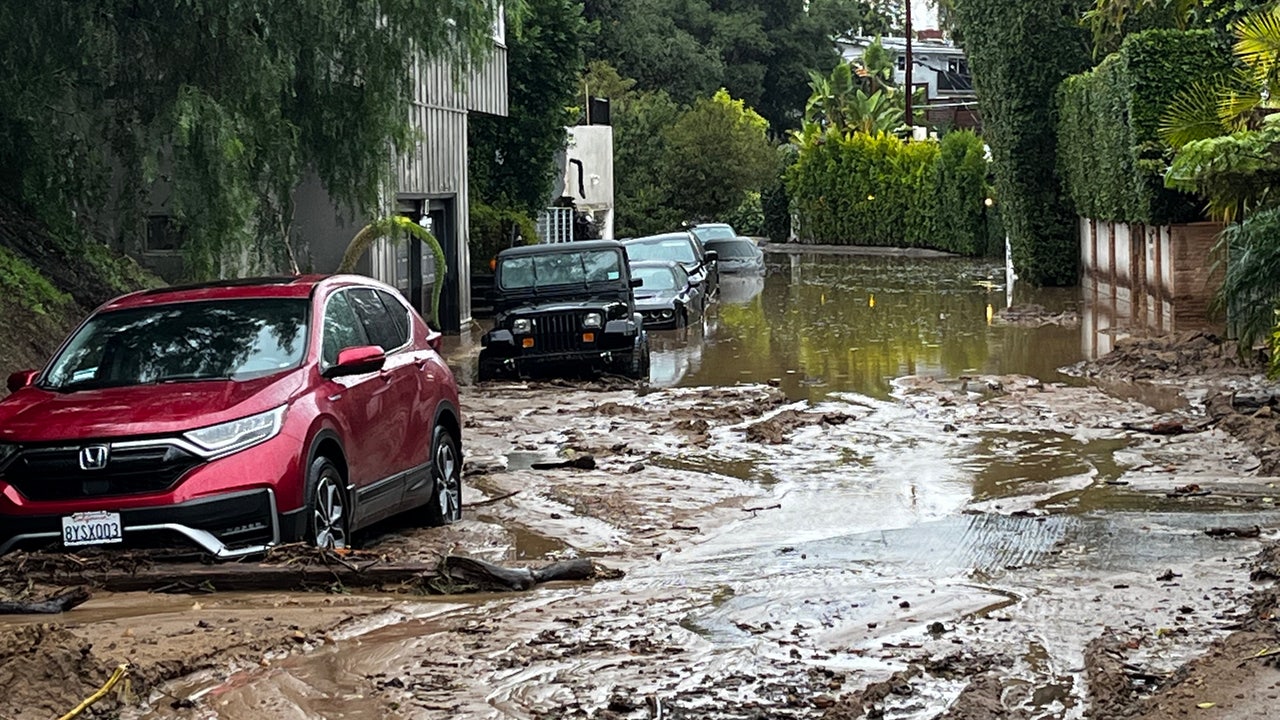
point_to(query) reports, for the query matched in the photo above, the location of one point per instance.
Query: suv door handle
(387, 376)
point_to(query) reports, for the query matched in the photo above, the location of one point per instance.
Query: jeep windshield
(182, 342)
(557, 269)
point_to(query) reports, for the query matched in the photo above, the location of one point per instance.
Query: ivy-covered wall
(864, 189)
(1020, 50)
(1109, 153)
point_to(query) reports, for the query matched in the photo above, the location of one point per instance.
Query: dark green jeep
(565, 306)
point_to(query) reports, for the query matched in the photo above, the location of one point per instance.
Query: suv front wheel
(445, 506)
(329, 520)
(635, 363)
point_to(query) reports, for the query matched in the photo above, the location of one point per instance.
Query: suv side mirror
(637, 282)
(712, 256)
(357, 361)
(22, 379)
(434, 339)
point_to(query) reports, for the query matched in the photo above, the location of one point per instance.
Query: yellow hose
(116, 677)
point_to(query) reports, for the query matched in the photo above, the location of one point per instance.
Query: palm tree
(1241, 100)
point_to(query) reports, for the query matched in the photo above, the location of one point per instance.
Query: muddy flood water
(921, 500)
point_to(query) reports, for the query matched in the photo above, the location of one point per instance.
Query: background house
(940, 67)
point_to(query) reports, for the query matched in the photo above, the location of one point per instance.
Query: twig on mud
(493, 501)
(655, 707)
(758, 509)
(687, 528)
(121, 672)
(1262, 655)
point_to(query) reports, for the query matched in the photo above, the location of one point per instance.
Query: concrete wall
(1142, 279)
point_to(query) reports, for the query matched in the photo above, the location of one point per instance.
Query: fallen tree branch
(758, 509)
(53, 605)
(493, 501)
(452, 574)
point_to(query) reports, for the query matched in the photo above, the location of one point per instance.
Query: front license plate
(91, 528)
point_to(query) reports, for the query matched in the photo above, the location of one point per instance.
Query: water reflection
(819, 324)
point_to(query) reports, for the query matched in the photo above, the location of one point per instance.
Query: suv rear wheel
(329, 522)
(445, 506)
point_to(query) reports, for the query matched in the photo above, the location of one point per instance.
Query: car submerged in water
(231, 417)
(666, 297)
(565, 305)
(737, 256)
(683, 248)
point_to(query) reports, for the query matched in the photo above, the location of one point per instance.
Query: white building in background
(924, 15)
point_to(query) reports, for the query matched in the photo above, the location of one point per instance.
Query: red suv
(234, 415)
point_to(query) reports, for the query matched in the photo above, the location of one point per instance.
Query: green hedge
(1020, 50)
(494, 230)
(1109, 152)
(878, 190)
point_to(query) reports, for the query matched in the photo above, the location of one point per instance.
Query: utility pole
(911, 118)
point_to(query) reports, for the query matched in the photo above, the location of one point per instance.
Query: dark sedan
(683, 248)
(738, 255)
(666, 297)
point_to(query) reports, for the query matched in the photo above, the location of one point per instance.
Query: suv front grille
(557, 332)
(44, 474)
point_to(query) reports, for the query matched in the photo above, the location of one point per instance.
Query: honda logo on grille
(94, 457)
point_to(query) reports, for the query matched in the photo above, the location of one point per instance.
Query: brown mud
(985, 546)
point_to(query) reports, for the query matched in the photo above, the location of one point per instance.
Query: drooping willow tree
(214, 109)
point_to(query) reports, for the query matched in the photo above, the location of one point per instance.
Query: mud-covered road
(936, 544)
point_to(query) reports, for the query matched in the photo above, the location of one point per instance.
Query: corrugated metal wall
(437, 168)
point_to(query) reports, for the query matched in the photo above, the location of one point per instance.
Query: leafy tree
(717, 152)
(512, 159)
(228, 102)
(1016, 90)
(760, 51)
(642, 195)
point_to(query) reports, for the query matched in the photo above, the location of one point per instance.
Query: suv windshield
(560, 268)
(212, 340)
(676, 249)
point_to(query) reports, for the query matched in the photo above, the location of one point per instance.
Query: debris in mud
(578, 462)
(1236, 532)
(1266, 566)
(301, 567)
(1033, 315)
(1171, 357)
(775, 430)
(1167, 576)
(1189, 490)
(52, 605)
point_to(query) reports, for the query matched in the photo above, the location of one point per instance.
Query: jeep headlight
(667, 314)
(592, 320)
(522, 326)
(237, 435)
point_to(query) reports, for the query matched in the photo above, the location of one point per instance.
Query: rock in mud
(776, 429)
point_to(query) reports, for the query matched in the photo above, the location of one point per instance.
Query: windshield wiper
(186, 377)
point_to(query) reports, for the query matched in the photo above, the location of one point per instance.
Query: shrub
(748, 218)
(495, 229)
(1020, 51)
(1109, 152)
(878, 190)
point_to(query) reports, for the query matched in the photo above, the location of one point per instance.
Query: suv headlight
(237, 435)
(522, 326)
(592, 320)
